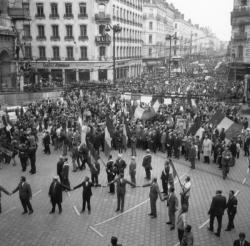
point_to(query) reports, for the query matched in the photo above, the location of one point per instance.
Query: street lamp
(116, 29)
(170, 37)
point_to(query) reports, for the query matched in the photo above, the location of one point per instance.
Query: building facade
(68, 42)
(240, 40)
(158, 19)
(7, 50)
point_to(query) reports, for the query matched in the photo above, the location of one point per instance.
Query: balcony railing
(19, 13)
(56, 59)
(40, 16)
(27, 38)
(83, 38)
(102, 1)
(241, 11)
(102, 18)
(103, 40)
(54, 38)
(240, 36)
(82, 16)
(69, 38)
(83, 59)
(54, 16)
(40, 38)
(68, 16)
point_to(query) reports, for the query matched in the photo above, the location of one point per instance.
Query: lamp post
(170, 37)
(115, 29)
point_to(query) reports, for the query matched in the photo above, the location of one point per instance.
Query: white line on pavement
(248, 171)
(35, 194)
(76, 210)
(9, 210)
(119, 215)
(244, 180)
(207, 221)
(177, 244)
(97, 232)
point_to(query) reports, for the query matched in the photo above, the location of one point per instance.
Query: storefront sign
(51, 64)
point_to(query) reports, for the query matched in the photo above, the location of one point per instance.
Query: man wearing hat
(110, 174)
(146, 163)
(120, 165)
(217, 208)
(59, 167)
(55, 194)
(132, 170)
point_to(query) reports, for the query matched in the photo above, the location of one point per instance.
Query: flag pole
(176, 174)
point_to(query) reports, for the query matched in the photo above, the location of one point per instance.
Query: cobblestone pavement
(133, 228)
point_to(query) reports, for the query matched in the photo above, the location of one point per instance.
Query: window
(70, 54)
(102, 51)
(26, 30)
(241, 28)
(150, 38)
(54, 10)
(41, 31)
(150, 25)
(82, 8)
(150, 51)
(27, 52)
(84, 54)
(55, 33)
(42, 53)
(68, 10)
(101, 29)
(101, 8)
(26, 6)
(56, 53)
(240, 51)
(39, 9)
(83, 30)
(69, 31)
(243, 3)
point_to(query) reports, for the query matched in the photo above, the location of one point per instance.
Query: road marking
(76, 210)
(35, 194)
(207, 221)
(9, 210)
(97, 232)
(68, 193)
(244, 180)
(248, 171)
(119, 215)
(177, 244)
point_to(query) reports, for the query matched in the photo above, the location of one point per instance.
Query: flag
(138, 112)
(124, 135)
(226, 123)
(172, 173)
(233, 131)
(216, 118)
(108, 132)
(156, 106)
(193, 103)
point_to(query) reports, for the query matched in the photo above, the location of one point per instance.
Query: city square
(124, 122)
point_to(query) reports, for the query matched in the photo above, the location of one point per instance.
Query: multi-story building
(240, 40)
(7, 50)
(158, 22)
(69, 41)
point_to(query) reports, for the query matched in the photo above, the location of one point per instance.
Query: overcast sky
(212, 13)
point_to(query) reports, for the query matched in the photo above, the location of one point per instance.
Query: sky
(214, 14)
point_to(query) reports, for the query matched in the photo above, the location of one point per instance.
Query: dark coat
(24, 190)
(86, 189)
(146, 163)
(55, 191)
(232, 205)
(218, 205)
(237, 243)
(165, 175)
(172, 203)
(120, 165)
(121, 185)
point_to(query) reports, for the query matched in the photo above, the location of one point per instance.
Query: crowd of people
(61, 123)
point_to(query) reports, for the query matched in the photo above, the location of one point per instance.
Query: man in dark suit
(172, 207)
(153, 195)
(121, 190)
(55, 194)
(120, 165)
(59, 167)
(242, 240)
(231, 210)
(146, 163)
(25, 195)
(86, 193)
(217, 208)
(165, 177)
(2, 189)
(110, 174)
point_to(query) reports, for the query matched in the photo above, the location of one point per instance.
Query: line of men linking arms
(217, 208)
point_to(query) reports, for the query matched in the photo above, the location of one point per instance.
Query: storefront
(57, 77)
(70, 76)
(84, 75)
(102, 74)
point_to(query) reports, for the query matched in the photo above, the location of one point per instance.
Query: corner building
(68, 41)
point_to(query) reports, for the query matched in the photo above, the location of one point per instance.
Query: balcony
(68, 16)
(41, 38)
(82, 16)
(40, 16)
(69, 58)
(239, 59)
(54, 16)
(56, 59)
(54, 38)
(69, 38)
(241, 11)
(83, 59)
(102, 18)
(240, 21)
(103, 40)
(19, 14)
(102, 1)
(27, 38)
(103, 58)
(83, 38)
(240, 37)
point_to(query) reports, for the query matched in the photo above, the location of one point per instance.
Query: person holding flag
(185, 194)
(146, 163)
